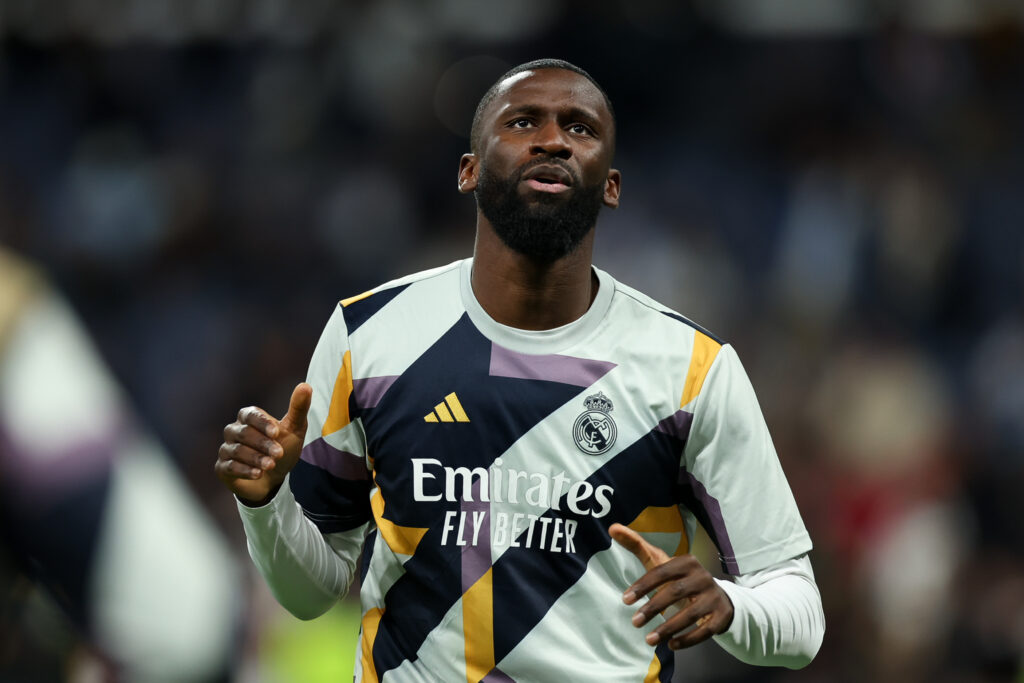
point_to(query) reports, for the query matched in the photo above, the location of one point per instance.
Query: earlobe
(468, 171)
(612, 187)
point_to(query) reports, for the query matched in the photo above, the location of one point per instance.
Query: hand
(684, 591)
(259, 450)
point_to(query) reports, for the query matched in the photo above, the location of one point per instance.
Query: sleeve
(731, 478)
(306, 540)
(778, 619)
(331, 481)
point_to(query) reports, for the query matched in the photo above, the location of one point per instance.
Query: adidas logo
(448, 410)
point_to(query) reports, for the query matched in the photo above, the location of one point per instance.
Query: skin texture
(549, 120)
(545, 116)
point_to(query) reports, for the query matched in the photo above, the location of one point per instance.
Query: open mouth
(546, 185)
(548, 178)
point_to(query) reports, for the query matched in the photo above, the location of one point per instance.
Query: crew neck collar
(538, 341)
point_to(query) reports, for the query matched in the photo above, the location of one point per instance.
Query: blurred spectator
(93, 510)
(833, 185)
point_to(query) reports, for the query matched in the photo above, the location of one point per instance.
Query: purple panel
(341, 464)
(709, 512)
(40, 476)
(580, 372)
(368, 391)
(476, 559)
(497, 676)
(677, 424)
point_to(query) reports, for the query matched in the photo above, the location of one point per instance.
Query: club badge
(594, 431)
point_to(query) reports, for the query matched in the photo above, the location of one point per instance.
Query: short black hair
(492, 92)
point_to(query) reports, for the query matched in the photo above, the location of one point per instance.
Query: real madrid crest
(594, 431)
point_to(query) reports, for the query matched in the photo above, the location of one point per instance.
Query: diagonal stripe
(707, 509)
(401, 539)
(677, 424)
(370, 622)
(430, 417)
(580, 372)
(357, 297)
(337, 414)
(476, 556)
(658, 520)
(442, 412)
(478, 627)
(663, 520)
(653, 670)
(457, 411)
(341, 464)
(705, 349)
(368, 391)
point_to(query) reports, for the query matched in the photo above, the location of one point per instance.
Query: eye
(580, 129)
(521, 123)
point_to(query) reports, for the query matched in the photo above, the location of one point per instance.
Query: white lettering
(479, 516)
(514, 534)
(418, 477)
(496, 473)
(581, 490)
(544, 521)
(500, 529)
(459, 539)
(513, 484)
(540, 489)
(448, 526)
(556, 490)
(570, 531)
(450, 473)
(529, 533)
(601, 496)
(556, 534)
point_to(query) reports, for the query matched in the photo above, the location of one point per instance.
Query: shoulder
(358, 309)
(640, 304)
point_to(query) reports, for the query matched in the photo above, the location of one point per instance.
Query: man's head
(542, 144)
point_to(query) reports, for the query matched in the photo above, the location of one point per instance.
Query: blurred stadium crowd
(835, 187)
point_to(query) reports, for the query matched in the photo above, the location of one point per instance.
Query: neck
(520, 292)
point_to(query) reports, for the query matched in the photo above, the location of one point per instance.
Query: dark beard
(548, 227)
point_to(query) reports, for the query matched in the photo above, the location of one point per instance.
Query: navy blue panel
(684, 319)
(527, 582)
(331, 503)
(500, 410)
(358, 312)
(668, 662)
(56, 545)
(364, 565)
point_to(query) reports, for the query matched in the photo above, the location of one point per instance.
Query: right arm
(303, 504)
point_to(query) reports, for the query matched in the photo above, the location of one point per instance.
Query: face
(543, 167)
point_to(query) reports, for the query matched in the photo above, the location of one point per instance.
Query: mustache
(547, 161)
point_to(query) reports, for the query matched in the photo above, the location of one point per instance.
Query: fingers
(258, 419)
(694, 606)
(651, 556)
(298, 408)
(706, 614)
(249, 448)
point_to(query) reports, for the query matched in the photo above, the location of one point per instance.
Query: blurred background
(836, 187)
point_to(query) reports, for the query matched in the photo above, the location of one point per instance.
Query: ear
(469, 171)
(612, 186)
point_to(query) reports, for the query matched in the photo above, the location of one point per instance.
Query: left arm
(771, 617)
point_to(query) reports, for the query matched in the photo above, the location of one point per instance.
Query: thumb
(298, 407)
(651, 556)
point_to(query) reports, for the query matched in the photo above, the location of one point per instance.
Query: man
(496, 422)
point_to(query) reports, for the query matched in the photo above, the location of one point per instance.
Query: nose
(551, 140)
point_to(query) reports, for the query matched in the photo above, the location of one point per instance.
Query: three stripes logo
(448, 410)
